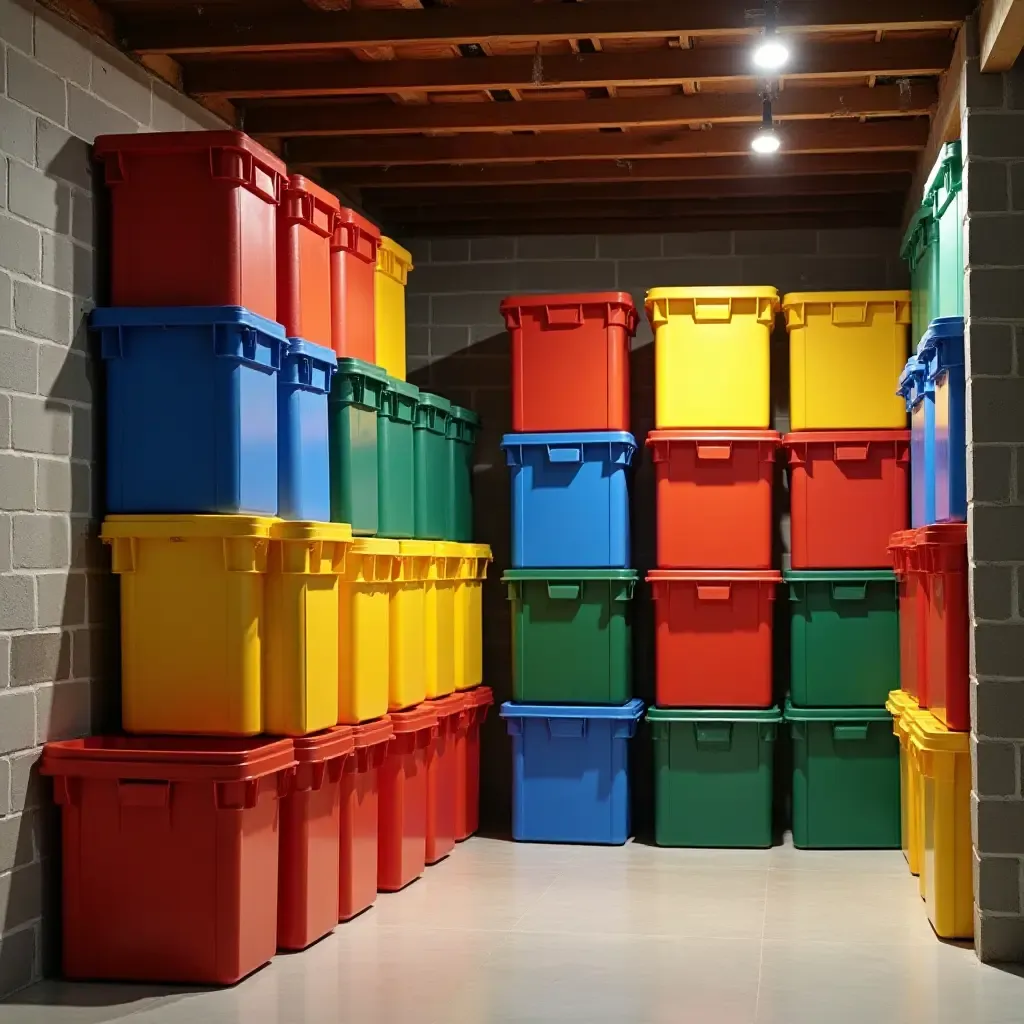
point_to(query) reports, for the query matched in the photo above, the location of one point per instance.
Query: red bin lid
(714, 576)
(713, 435)
(568, 299)
(951, 534)
(445, 707)
(351, 227)
(325, 746)
(298, 183)
(479, 696)
(416, 719)
(805, 437)
(371, 734)
(187, 142)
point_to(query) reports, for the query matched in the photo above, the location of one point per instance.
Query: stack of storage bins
(715, 720)
(848, 467)
(570, 586)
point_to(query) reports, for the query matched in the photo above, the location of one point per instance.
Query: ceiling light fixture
(771, 52)
(767, 140)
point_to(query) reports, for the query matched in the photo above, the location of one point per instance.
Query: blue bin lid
(629, 712)
(183, 316)
(580, 437)
(319, 354)
(911, 382)
(942, 346)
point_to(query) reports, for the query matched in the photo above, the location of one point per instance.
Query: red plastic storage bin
(193, 219)
(308, 880)
(714, 497)
(467, 760)
(170, 855)
(442, 777)
(848, 496)
(570, 360)
(906, 563)
(353, 262)
(307, 220)
(713, 637)
(360, 787)
(946, 683)
(402, 852)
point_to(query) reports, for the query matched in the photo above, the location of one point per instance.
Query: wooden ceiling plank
(202, 32)
(1002, 34)
(240, 78)
(299, 119)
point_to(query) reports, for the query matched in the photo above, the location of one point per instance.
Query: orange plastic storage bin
(906, 563)
(307, 220)
(308, 879)
(714, 498)
(360, 785)
(570, 360)
(193, 219)
(170, 855)
(402, 849)
(467, 760)
(442, 777)
(945, 688)
(848, 496)
(353, 264)
(713, 637)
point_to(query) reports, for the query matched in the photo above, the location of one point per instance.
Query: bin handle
(142, 793)
(564, 591)
(852, 452)
(565, 454)
(563, 316)
(566, 728)
(857, 732)
(712, 311)
(713, 734)
(718, 592)
(849, 313)
(714, 452)
(849, 591)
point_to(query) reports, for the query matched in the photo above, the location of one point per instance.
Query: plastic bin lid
(580, 438)
(299, 183)
(949, 159)
(630, 711)
(838, 575)
(802, 438)
(909, 375)
(513, 575)
(195, 527)
(351, 367)
(403, 388)
(567, 299)
(738, 715)
(319, 354)
(186, 142)
(372, 734)
(374, 546)
(169, 758)
(479, 696)
(928, 733)
(942, 345)
(357, 220)
(714, 576)
(399, 252)
(831, 298)
(325, 746)
(445, 707)
(761, 291)
(792, 714)
(416, 719)
(435, 402)
(900, 703)
(479, 551)
(923, 215)
(416, 548)
(696, 436)
(905, 538)
(182, 316)
(952, 534)
(460, 412)
(309, 531)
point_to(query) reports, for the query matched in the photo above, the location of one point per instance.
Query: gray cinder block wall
(458, 347)
(992, 137)
(58, 628)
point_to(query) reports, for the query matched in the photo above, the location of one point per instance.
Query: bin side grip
(855, 731)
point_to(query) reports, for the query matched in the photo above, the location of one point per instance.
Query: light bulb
(765, 141)
(771, 54)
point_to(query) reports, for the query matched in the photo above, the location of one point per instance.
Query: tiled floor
(502, 933)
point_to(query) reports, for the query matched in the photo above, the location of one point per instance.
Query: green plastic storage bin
(846, 778)
(713, 776)
(356, 401)
(571, 635)
(921, 252)
(845, 632)
(463, 428)
(396, 461)
(944, 193)
(430, 451)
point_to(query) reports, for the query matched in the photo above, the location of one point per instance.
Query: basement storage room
(511, 511)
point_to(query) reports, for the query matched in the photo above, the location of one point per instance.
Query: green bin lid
(838, 575)
(793, 714)
(352, 367)
(919, 224)
(358, 383)
(737, 715)
(436, 402)
(946, 174)
(521, 575)
(460, 412)
(403, 388)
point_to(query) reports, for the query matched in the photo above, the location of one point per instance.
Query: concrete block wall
(992, 138)
(458, 347)
(59, 88)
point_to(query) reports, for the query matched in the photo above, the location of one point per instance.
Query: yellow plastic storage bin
(364, 600)
(408, 672)
(192, 621)
(442, 580)
(944, 764)
(903, 707)
(300, 660)
(846, 352)
(469, 615)
(393, 266)
(711, 351)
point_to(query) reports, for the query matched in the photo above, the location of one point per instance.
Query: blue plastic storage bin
(570, 500)
(303, 451)
(570, 771)
(942, 349)
(191, 409)
(917, 392)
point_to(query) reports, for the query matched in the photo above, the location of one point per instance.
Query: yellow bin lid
(286, 529)
(899, 703)
(928, 733)
(393, 260)
(713, 305)
(186, 527)
(855, 305)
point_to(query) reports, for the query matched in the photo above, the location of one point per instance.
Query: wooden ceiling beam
(1002, 34)
(688, 169)
(841, 135)
(339, 118)
(201, 32)
(256, 78)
